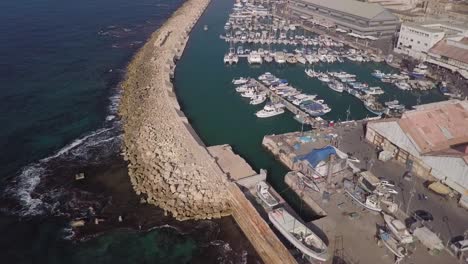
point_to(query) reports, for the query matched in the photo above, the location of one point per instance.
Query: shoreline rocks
(165, 162)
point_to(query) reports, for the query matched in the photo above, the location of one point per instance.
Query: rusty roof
(443, 48)
(438, 128)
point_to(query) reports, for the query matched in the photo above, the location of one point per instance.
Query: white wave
(26, 184)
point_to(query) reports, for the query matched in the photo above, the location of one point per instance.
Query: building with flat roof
(365, 19)
(432, 140)
(415, 39)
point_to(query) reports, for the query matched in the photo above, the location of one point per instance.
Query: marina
(238, 92)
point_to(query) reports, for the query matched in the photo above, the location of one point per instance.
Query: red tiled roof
(442, 48)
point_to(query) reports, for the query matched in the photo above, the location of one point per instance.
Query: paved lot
(449, 219)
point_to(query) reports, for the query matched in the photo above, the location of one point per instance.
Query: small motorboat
(263, 192)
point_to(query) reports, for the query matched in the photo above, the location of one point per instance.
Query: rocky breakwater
(166, 164)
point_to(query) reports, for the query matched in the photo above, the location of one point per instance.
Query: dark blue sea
(60, 66)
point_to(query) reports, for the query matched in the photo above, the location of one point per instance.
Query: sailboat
(299, 235)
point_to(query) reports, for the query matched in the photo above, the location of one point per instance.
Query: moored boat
(264, 113)
(299, 235)
(263, 192)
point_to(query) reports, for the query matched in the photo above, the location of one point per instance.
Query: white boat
(301, 59)
(249, 93)
(373, 90)
(299, 235)
(311, 73)
(398, 229)
(263, 192)
(269, 113)
(392, 245)
(254, 58)
(324, 78)
(403, 85)
(240, 80)
(336, 86)
(271, 106)
(243, 88)
(280, 57)
(257, 99)
(303, 97)
(370, 202)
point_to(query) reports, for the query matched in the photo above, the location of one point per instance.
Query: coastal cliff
(166, 164)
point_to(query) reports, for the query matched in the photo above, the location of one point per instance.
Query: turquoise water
(221, 116)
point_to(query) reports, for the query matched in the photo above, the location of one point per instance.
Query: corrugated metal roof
(357, 8)
(438, 127)
(443, 48)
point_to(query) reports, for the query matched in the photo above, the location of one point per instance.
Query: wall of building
(417, 39)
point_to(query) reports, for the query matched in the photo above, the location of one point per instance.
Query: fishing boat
(398, 229)
(263, 192)
(299, 235)
(368, 201)
(240, 80)
(373, 106)
(258, 99)
(269, 113)
(392, 244)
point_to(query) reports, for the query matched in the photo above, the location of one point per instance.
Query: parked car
(423, 215)
(459, 245)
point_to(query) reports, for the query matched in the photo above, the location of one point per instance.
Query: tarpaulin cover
(317, 155)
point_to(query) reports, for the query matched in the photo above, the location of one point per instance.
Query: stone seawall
(167, 165)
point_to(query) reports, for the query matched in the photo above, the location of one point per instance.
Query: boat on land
(368, 201)
(306, 241)
(264, 113)
(398, 229)
(263, 192)
(392, 244)
(240, 81)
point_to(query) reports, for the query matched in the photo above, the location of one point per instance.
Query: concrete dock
(256, 229)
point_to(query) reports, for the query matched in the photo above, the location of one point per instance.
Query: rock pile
(166, 164)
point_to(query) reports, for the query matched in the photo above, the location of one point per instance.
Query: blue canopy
(317, 155)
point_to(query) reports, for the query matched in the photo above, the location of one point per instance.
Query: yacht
(306, 241)
(298, 99)
(336, 86)
(268, 58)
(263, 192)
(249, 93)
(240, 80)
(280, 58)
(269, 113)
(315, 108)
(403, 85)
(231, 57)
(272, 106)
(258, 99)
(301, 59)
(291, 59)
(324, 78)
(311, 73)
(254, 58)
(378, 74)
(373, 90)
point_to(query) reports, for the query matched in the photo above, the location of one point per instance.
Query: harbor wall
(167, 163)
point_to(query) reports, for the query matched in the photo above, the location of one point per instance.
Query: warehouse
(432, 140)
(360, 18)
